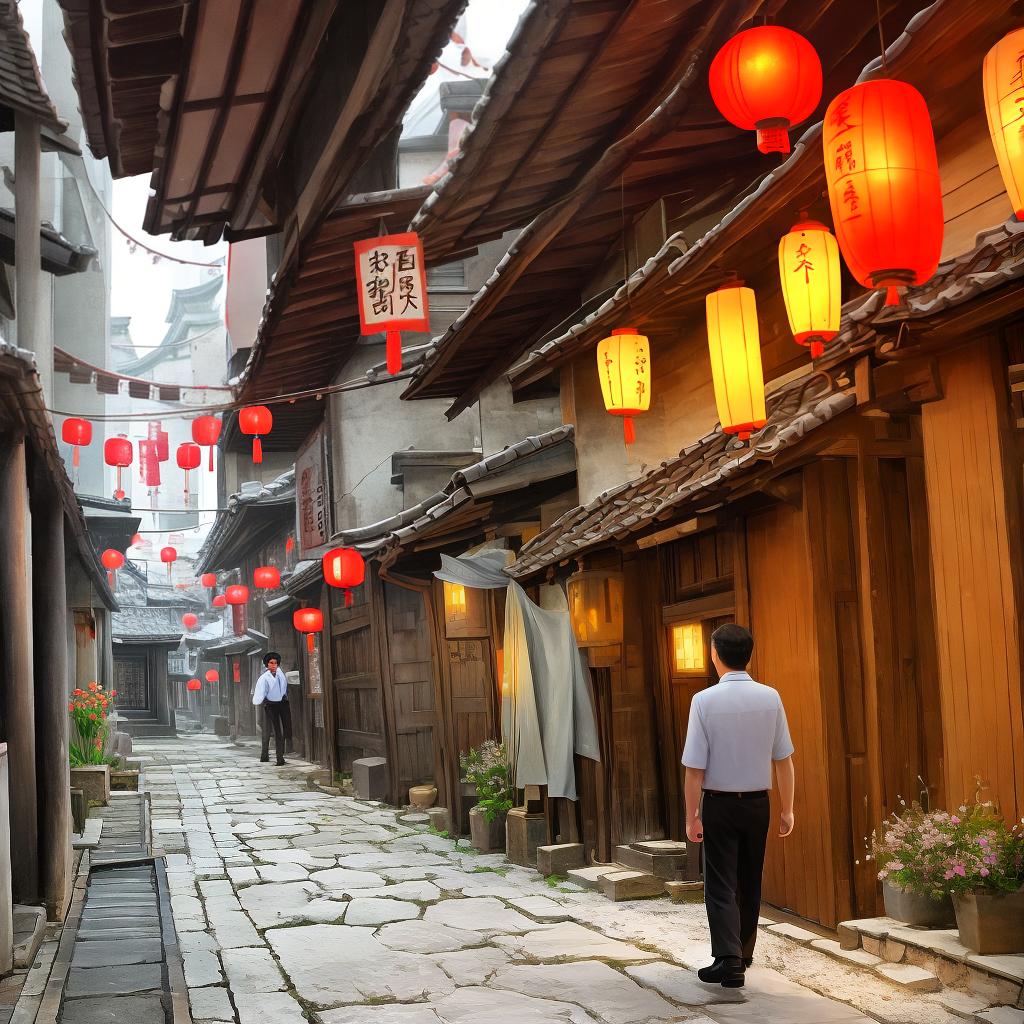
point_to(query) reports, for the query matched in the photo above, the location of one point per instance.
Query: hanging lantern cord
(310, 644)
(348, 598)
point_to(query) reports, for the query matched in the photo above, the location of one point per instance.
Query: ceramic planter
(94, 781)
(423, 797)
(991, 922)
(486, 836)
(916, 909)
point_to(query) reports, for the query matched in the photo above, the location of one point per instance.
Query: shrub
(89, 709)
(487, 768)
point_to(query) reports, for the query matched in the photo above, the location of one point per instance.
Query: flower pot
(486, 836)
(423, 796)
(124, 780)
(991, 922)
(94, 781)
(917, 909)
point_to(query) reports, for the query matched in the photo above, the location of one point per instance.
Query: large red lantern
(193, 684)
(266, 577)
(76, 432)
(344, 568)
(189, 457)
(168, 556)
(766, 79)
(236, 594)
(208, 579)
(112, 560)
(190, 620)
(219, 601)
(308, 621)
(149, 464)
(206, 432)
(255, 420)
(212, 675)
(883, 184)
(117, 451)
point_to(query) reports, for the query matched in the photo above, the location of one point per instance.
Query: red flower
(92, 716)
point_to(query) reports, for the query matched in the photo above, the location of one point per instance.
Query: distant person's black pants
(273, 718)
(735, 834)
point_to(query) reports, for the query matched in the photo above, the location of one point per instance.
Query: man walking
(737, 730)
(272, 694)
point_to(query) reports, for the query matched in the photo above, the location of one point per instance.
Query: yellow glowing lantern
(736, 359)
(454, 602)
(688, 649)
(595, 607)
(809, 270)
(1003, 79)
(624, 366)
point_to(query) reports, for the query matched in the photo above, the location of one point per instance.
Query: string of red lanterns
(206, 432)
(118, 452)
(77, 433)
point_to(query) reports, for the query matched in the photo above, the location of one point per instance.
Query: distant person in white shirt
(737, 731)
(271, 694)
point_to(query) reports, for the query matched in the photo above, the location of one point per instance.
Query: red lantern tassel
(257, 450)
(187, 502)
(348, 598)
(892, 296)
(74, 456)
(627, 429)
(119, 493)
(309, 642)
(817, 349)
(211, 458)
(394, 352)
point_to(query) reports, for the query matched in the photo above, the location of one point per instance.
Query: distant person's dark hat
(269, 655)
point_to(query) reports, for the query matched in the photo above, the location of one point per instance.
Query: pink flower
(954, 820)
(983, 872)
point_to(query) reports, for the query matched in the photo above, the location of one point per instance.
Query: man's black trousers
(735, 833)
(274, 718)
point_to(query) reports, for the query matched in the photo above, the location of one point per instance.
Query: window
(688, 654)
(454, 602)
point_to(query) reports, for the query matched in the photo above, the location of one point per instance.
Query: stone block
(558, 859)
(849, 937)
(893, 951)
(94, 781)
(631, 885)
(915, 979)
(79, 810)
(685, 892)
(440, 819)
(523, 834)
(590, 878)
(850, 956)
(486, 836)
(370, 778)
(221, 725)
(871, 944)
(122, 744)
(1000, 1015)
(961, 1004)
(794, 932)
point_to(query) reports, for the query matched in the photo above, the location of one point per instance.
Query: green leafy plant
(486, 767)
(89, 709)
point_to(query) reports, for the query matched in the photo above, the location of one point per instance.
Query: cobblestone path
(292, 904)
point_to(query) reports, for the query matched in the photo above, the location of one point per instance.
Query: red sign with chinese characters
(392, 282)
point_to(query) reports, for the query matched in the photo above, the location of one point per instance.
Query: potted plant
(910, 850)
(984, 872)
(90, 772)
(486, 767)
(122, 778)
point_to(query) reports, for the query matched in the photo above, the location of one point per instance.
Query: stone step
(29, 929)
(685, 892)
(661, 865)
(631, 885)
(590, 877)
(914, 979)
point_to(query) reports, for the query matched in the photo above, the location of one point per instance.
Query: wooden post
(16, 669)
(50, 628)
(27, 274)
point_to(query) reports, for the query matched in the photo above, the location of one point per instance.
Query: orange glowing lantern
(76, 432)
(206, 432)
(190, 620)
(735, 346)
(117, 451)
(624, 367)
(344, 568)
(253, 421)
(767, 79)
(220, 601)
(266, 577)
(810, 274)
(193, 684)
(112, 560)
(212, 675)
(883, 184)
(1003, 80)
(308, 621)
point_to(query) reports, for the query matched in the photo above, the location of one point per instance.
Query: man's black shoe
(748, 961)
(264, 760)
(279, 763)
(725, 971)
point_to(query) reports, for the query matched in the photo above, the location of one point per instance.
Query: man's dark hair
(734, 645)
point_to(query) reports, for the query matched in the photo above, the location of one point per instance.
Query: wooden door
(132, 683)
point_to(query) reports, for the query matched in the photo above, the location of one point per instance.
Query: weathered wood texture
(974, 541)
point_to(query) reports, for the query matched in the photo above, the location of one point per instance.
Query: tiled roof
(144, 624)
(21, 85)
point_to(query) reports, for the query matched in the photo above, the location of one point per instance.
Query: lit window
(688, 649)
(454, 601)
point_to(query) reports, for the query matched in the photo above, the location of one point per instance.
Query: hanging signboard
(392, 283)
(312, 493)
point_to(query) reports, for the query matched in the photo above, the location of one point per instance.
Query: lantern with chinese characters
(189, 457)
(212, 675)
(256, 420)
(344, 568)
(190, 620)
(266, 577)
(595, 606)
(810, 275)
(193, 684)
(236, 594)
(883, 184)
(308, 621)
(117, 451)
(219, 601)
(76, 432)
(206, 432)
(767, 79)
(392, 284)
(208, 579)
(168, 556)
(112, 560)
(735, 347)
(1003, 81)
(624, 368)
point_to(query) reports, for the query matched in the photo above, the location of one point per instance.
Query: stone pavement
(290, 903)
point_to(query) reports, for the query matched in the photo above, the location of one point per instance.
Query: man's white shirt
(270, 686)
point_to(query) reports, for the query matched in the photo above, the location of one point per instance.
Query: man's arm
(785, 777)
(692, 788)
(260, 694)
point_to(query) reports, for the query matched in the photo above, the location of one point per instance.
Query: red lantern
(193, 684)
(766, 78)
(220, 601)
(212, 675)
(76, 432)
(168, 555)
(189, 457)
(266, 577)
(256, 420)
(206, 431)
(149, 464)
(883, 184)
(137, 539)
(117, 451)
(236, 594)
(190, 620)
(308, 621)
(112, 560)
(344, 568)
(208, 579)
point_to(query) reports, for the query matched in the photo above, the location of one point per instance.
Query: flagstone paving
(294, 905)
